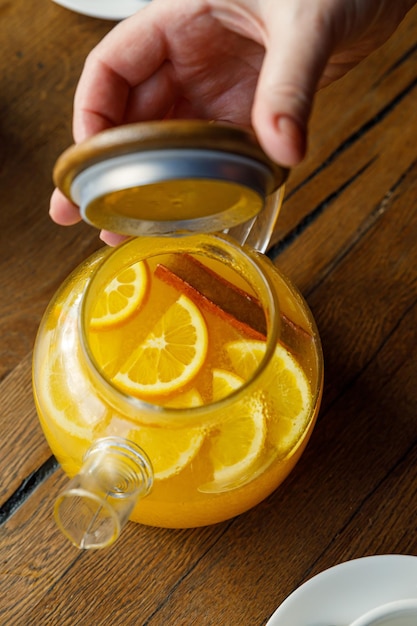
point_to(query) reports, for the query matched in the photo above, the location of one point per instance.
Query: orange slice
(121, 297)
(290, 393)
(170, 356)
(170, 450)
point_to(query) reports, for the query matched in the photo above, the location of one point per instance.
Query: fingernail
(287, 126)
(292, 131)
(111, 239)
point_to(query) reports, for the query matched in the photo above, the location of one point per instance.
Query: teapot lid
(168, 176)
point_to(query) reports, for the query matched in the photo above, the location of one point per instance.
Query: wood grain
(346, 236)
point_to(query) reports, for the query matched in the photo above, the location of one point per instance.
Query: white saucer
(104, 9)
(342, 593)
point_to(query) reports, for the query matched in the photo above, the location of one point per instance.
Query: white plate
(342, 593)
(104, 9)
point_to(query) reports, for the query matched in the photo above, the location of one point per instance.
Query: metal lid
(168, 176)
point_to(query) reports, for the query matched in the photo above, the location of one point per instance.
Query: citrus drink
(219, 389)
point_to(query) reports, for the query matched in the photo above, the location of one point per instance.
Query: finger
(100, 99)
(112, 239)
(128, 56)
(153, 98)
(296, 55)
(62, 211)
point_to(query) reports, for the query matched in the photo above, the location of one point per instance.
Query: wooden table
(347, 236)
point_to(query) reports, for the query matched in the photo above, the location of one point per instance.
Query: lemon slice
(290, 395)
(170, 450)
(292, 400)
(121, 297)
(186, 400)
(170, 356)
(245, 356)
(224, 383)
(78, 419)
(237, 443)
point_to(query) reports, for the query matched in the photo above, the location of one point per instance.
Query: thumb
(296, 54)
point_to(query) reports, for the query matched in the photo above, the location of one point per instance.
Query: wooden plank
(38, 567)
(370, 290)
(41, 72)
(23, 446)
(346, 110)
(361, 194)
(351, 197)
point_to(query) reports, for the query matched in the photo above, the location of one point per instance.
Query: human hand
(249, 62)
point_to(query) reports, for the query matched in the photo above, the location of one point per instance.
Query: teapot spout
(96, 504)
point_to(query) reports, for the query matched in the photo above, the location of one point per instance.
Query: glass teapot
(178, 376)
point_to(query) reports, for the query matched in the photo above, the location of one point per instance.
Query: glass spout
(98, 501)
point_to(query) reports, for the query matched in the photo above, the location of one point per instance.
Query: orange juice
(198, 352)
